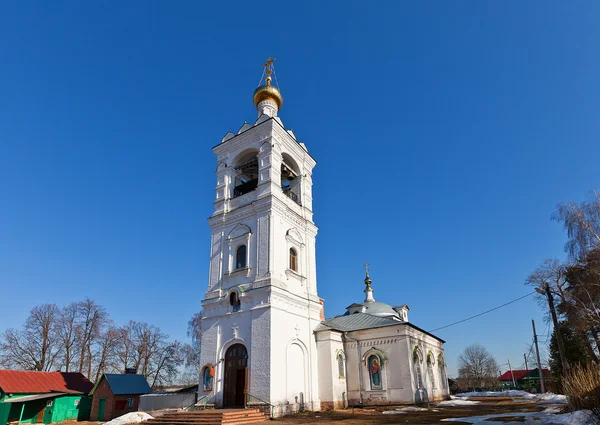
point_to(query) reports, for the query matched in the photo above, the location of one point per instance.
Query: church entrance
(236, 376)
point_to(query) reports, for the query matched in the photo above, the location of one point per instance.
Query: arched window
(374, 364)
(431, 376)
(293, 260)
(240, 257)
(246, 174)
(430, 364)
(234, 301)
(443, 377)
(417, 359)
(341, 368)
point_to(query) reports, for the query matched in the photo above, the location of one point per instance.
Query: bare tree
(125, 347)
(81, 337)
(477, 367)
(191, 352)
(106, 354)
(582, 223)
(66, 329)
(165, 364)
(92, 318)
(35, 347)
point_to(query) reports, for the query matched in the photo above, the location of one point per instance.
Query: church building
(264, 335)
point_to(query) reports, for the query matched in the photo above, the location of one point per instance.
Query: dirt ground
(433, 415)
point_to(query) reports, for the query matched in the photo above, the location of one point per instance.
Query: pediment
(295, 236)
(239, 230)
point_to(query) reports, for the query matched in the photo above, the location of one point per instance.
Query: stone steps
(210, 417)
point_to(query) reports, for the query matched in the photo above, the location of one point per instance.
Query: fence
(160, 401)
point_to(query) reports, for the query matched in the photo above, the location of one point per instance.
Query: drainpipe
(358, 362)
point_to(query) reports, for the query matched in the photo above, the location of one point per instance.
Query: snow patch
(507, 393)
(130, 418)
(551, 398)
(544, 398)
(580, 417)
(406, 410)
(457, 402)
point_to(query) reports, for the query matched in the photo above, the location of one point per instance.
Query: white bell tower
(261, 305)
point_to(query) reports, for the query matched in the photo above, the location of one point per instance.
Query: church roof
(376, 308)
(361, 321)
(355, 322)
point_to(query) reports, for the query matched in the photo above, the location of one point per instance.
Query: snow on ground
(406, 410)
(580, 417)
(457, 402)
(551, 398)
(130, 418)
(544, 398)
(507, 393)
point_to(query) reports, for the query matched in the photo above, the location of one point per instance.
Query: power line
(485, 312)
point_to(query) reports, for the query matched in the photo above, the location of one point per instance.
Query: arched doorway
(236, 376)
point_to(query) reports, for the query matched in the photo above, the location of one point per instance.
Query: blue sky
(445, 133)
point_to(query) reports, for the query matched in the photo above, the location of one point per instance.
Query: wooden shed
(117, 394)
(43, 397)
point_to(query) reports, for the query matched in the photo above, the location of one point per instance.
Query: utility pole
(545, 290)
(539, 363)
(525, 357)
(512, 374)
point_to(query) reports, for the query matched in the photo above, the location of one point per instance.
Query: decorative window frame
(382, 360)
(417, 360)
(211, 369)
(238, 236)
(340, 355)
(294, 241)
(443, 375)
(430, 365)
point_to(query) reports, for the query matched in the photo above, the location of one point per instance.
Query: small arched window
(234, 301)
(240, 257)
(341, 368)
(418, 358)
(443, 378)
(293, 260)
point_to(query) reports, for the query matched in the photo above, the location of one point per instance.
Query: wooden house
(43, 397)
(117, 394)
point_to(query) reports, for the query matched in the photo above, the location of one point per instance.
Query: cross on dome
(267, 98)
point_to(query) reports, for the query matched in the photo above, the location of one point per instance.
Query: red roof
(519, 374)
(20, 381)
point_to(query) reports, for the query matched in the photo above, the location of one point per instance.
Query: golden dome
(267, 92)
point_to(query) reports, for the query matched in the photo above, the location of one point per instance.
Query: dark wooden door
(236, 364)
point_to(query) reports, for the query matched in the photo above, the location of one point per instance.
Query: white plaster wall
(293, 322)
(398, 371)
(332, 386)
